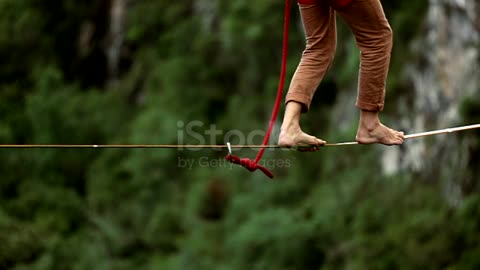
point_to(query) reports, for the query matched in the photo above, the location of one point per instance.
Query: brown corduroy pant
(373, 35)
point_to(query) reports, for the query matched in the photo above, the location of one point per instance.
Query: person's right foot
(378, 133)
(296, 138)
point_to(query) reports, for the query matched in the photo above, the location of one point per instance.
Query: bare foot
(378, 133)
(295, 137)
(291, 135)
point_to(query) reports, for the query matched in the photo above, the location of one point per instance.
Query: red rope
(245, 162)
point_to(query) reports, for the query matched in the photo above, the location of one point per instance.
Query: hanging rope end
(246, 163)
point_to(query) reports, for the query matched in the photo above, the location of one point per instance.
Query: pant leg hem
(301, 98)
(372, 107)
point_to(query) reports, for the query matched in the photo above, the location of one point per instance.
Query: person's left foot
(296, 138)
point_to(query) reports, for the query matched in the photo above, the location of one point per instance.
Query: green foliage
(186, 209)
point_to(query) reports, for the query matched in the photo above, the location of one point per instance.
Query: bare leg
(371, 130)
(291, 134)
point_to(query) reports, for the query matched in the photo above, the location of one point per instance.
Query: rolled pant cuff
(301, 98)
(372, 107)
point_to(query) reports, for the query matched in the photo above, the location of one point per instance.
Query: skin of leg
(319, 24)
(373, 35)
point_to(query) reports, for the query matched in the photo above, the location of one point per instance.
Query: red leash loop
(245, 162)
(248, 164)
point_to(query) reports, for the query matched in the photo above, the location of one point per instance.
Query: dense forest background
(160, 72)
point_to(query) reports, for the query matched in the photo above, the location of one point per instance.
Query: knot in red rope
(248, 164)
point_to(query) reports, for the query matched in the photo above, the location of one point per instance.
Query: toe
(313, 141)
(321, 142)
(316, 141)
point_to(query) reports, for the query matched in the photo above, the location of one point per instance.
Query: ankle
(369, 120)
(290, 126)
(291, 120)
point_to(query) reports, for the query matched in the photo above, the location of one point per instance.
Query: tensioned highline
(182, 146)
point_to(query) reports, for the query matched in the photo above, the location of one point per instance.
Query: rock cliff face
(444, 73)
